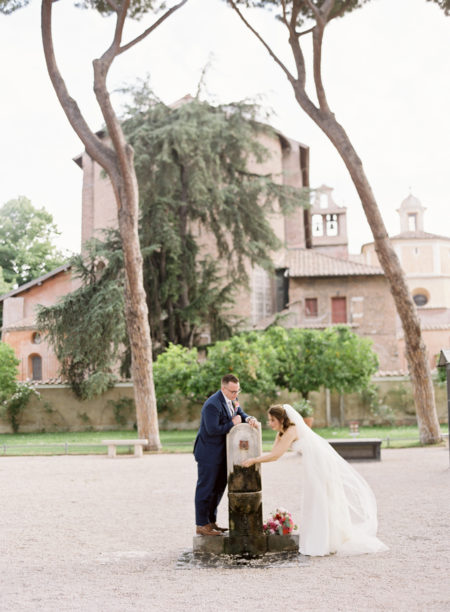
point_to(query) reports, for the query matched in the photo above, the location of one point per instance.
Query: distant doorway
(36, 367)
(339, 310)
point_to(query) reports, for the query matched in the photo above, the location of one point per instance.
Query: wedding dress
(338, 508)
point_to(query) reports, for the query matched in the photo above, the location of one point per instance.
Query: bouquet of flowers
(279, 522)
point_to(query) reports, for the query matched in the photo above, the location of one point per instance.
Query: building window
(262, 296)
(338, 310)
(332, 225)
(36, 367)
(412, 222)
(317, 225)
(36, 338)
(421, 297)
(282, 288)
(311, 309)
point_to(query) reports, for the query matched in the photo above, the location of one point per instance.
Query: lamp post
(444, 361)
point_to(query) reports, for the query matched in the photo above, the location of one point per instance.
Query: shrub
(16, 404)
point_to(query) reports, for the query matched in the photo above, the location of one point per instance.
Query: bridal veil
(338, 508)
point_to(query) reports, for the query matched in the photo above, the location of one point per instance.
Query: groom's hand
(237, 419)
(253, 422)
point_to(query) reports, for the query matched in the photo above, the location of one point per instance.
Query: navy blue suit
(211, 456)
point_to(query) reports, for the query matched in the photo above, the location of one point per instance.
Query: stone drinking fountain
(245, 537)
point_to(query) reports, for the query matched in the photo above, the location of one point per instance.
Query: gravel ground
(92, 533)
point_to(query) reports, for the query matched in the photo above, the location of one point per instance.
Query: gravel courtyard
(92, 533)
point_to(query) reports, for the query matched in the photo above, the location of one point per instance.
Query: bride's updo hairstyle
(279, 413)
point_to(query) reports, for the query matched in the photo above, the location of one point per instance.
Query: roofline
(425, 236)
(333, 257)
(405, 236)
(36, 281)
(337, 274)
(368, 270)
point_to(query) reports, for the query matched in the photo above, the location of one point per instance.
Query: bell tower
(329, 224)
(411, 214)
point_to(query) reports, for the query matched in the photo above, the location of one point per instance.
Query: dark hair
(229, 378)
(279, 413)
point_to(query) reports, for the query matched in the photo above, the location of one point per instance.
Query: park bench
(361, 448)
(112, 444)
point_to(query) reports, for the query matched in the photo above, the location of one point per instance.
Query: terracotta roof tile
(308, 262)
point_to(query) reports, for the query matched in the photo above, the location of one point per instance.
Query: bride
(338, 508)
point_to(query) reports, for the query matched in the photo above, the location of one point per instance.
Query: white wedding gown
(338, 508)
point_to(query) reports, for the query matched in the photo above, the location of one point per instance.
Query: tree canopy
(86, 328)
(307, 9)
(9, 6)
(27, 250)
(192, 165)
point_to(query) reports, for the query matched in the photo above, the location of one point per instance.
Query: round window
(420, 299)
(36, 338)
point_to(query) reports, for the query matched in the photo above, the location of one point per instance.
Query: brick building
(37, 360)
(287, 163)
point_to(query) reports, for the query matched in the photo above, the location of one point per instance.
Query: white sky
(386, 73)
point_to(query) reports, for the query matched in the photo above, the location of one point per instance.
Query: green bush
(303, 407)
(8, 371)
(297, 360)
(248, 357)
(175, 374)
(335, 358)
(15, 405)
(14, 396)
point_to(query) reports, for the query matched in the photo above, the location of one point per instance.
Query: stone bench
(361, 448)
(112, 444)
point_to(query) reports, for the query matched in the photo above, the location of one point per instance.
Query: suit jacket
(215, 423)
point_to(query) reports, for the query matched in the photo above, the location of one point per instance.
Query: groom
(220, 413)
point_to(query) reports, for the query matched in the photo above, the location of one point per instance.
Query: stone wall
(59, 410)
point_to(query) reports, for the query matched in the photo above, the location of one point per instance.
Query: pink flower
(279, 522)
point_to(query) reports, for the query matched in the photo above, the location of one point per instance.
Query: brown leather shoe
(207, 530)
(217, 528)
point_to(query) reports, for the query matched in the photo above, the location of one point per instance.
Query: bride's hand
(248, 463)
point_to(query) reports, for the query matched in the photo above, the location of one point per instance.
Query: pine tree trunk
(117, 161)
(136, 314)
(124, 182)
(416, 352)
